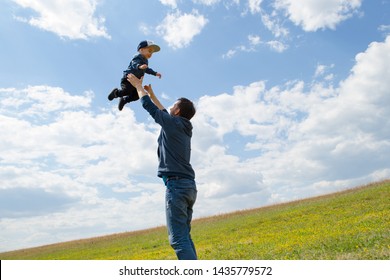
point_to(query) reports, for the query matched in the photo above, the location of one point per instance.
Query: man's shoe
(122, 103)
(113, 94)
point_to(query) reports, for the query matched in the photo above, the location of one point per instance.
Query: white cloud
(206, 2)
(385, 29)
(73, 19)
(305, 138)
(54, 147)
(277, 46)
(229, 54)
(174, 3)
(253, 45)
(145, 29)
(254, 6)
(320, 14)
(171, 3)
(322, 72)
(66, 137)
(254, 40)
(272, 23)
(179, 29)
(41, 100)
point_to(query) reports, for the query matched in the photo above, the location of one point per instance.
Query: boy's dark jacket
(134, 65)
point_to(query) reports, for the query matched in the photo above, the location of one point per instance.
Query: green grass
(353, 224)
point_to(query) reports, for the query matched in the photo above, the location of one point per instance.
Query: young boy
(138, 66)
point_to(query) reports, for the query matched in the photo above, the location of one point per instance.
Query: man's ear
(177, 112)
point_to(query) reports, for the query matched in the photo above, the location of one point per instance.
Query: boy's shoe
(121, 104)
(113, 94)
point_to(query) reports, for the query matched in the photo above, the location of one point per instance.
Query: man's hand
(149, 89)
(137, 83)
(152, 96)
(146, 90)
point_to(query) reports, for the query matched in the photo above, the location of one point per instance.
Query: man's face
(174, 110)
(146, 52)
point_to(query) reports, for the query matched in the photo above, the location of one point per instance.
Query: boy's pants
(127, 91)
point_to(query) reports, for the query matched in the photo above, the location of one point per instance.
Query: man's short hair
(187, 108)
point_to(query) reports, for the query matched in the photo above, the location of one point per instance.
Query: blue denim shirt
(174, 142)
(134, 65)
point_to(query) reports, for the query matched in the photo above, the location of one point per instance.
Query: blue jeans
(179, 199)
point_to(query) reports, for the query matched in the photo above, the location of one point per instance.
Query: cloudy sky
(293, 100)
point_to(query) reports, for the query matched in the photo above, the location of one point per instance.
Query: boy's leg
(113, 94)
(127, 94)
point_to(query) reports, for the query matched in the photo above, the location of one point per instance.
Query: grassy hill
(353, 224)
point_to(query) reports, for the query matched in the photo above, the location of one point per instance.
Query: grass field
(353, 224)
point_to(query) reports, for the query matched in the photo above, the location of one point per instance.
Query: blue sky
(292, 97)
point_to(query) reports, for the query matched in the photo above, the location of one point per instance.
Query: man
(174, 152)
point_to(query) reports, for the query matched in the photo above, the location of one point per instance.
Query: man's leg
(179, 203)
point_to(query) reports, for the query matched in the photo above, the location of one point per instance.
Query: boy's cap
(147, 43)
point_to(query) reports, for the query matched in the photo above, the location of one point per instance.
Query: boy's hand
(143, 66)
(158, 75)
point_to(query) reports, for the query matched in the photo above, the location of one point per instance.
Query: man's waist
(167, 178)
(173, 177)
